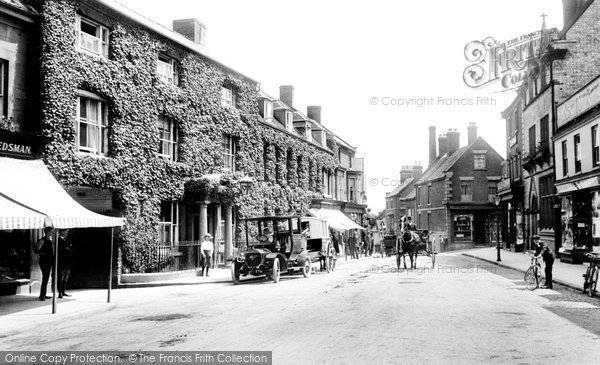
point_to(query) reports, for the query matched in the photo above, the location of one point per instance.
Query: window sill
(89, 154)
(90, 53)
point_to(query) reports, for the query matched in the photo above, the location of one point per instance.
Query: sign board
(20, 145)
(582, 101)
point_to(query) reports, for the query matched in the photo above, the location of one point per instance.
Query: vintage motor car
(276, 245)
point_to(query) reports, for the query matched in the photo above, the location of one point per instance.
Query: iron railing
(184, 255)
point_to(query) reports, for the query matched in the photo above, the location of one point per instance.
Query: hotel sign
(584, 100)
(21, 145)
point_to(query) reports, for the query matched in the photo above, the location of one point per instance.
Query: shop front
(580, 218)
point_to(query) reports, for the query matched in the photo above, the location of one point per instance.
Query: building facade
(140, 122)
(455, 195)
(400, 202)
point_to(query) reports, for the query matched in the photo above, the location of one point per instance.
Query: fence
(184, 255)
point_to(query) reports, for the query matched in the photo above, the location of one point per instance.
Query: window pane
(93, 111)
(104, 140)
(89, 28)
(93, 137)
(83, 134)
(82, 108)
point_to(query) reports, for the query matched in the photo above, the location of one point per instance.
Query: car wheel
(235, 274)
(307, 269)
(276, 271)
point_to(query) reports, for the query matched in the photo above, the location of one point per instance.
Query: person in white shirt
(206, 248)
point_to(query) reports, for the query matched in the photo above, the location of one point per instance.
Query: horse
(410, 245)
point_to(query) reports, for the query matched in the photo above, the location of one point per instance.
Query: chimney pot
(472, 132)
(453, 137)
(432, 149)
(443, 145)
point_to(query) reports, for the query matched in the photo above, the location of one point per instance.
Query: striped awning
(29, 187)
(15, 216)
(336, 219)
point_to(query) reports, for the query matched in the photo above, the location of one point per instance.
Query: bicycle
(533, 275)
(591, 275)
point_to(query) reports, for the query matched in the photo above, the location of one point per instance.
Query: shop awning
(16, 216)
(336, 219)
(30, 186)
(578, 185)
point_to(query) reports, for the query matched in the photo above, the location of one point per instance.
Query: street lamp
(498, 246)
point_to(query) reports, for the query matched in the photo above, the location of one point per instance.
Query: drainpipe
(555, 205)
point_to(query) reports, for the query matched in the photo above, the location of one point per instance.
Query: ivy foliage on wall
(135, 98)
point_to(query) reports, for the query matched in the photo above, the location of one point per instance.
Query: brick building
(401, 201)
(455, 195)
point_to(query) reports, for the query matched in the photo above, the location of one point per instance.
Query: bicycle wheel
(586, 278)
(593, 281)
(530, 279)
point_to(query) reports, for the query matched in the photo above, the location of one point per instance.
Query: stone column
(228, 233)
(203, 219)
(217, 231)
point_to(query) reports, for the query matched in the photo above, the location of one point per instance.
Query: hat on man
(535, 237)
(208, 235)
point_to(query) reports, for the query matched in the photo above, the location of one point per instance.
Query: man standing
(65, 259)
(206, 248)
(543, 250)
(44, 248)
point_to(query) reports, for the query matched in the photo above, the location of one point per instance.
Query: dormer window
(228, 97)
(289, 120)
(167, 69)
(268, 113)
(92, 37)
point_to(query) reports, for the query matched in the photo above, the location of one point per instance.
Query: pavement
(562, 273)
(21, 311)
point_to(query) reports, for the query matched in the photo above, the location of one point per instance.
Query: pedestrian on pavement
(44, 248)
(206, 247)
(543, 251)
(336, 247)
(65, 260)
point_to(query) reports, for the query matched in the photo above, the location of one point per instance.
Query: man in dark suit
(65, 260)
(543, 250)
(45, 249)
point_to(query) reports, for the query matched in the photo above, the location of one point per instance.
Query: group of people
(45, 249)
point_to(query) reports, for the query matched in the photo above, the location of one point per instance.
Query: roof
(165, 32)
(442, 165)
(19, 7)
(399, 188)
(574, 19)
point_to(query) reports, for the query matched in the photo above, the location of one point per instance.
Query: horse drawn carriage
(413, 243)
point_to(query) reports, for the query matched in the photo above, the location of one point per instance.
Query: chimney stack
(417, 171)
(314, 113)
(472, 132)
(432, 149)
(443, 145)
(286, 94)
(453, 141)
(192, 29)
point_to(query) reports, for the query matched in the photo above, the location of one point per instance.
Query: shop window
(229, 152)
(92, 37)
(92, 123)
(228, 97)
(169, 223)
(466, 190)
(167, 69)
(168, 138)
(596, 220)
(595, 148)
(565, 158)
(463, 230)
(577, 150)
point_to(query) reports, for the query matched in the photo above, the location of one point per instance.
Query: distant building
(455, 195)
(401, 201)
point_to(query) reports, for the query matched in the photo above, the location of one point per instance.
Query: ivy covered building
(140, 122)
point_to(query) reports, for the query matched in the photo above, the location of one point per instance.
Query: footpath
(562, 273)
(18, 312)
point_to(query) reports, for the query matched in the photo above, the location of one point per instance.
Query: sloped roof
(18, 5)
(399, 188)
(441, 165)
(412, 194)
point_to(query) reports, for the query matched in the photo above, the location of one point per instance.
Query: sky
(356, 58)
